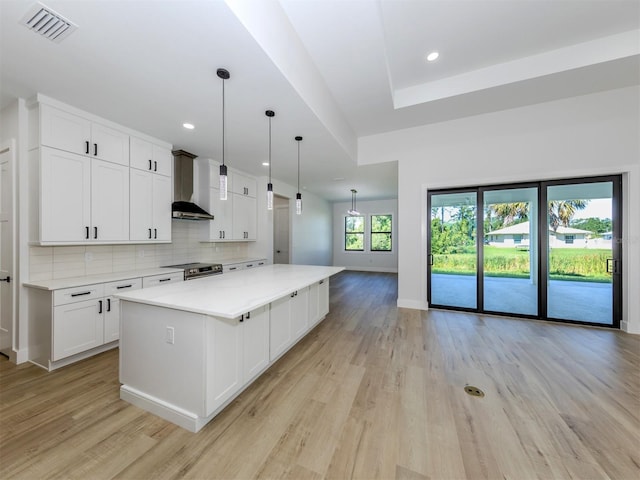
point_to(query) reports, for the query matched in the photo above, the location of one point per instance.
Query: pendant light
(298, 195)
(270, 114)
(353, 210)
(224, 75)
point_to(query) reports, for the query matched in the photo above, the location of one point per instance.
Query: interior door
(7, 246)
(280, 230)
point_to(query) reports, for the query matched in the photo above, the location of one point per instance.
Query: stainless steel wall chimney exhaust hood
(183, 207)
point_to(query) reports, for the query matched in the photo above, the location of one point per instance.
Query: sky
(597, 208)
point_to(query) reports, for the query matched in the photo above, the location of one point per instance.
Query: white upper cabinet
(150, 206)
(242, 184)
(235, 219)
(72, 133)
(150, 157)
(82, 199)
(97, 182)
(65, 196)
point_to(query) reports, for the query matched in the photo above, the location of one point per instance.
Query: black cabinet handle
(149, 233)
(233, 268)
(155, 166)
(120, 287)
(155, 233)
(321, 282)
(150, 165)
(80, 294)
(87, 233)
(108, 304)
(6, 279)
(241, 318)
(249, 265)
(86, 144)
(95, 149)
(95, 232)
(99, 306)
(248, 315)
(164, 280)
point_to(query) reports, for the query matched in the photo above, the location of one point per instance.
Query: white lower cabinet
(255, 356)
(318, 301)
(300, 312)
(239, 351)
(74, 321)
(281, 329)
(77, 327)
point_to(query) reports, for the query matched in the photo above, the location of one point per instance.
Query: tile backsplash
(51, 263)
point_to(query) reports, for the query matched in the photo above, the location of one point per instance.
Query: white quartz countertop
(229, 296)
(101, 278)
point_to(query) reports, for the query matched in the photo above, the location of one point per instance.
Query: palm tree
(561, 211)
(509, 212)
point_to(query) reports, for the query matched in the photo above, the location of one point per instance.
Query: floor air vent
(47, 23)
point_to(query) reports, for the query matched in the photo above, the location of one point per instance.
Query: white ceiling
(333, 70)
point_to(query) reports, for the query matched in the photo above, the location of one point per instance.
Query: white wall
(581, 136)
(311, 232)
(367, 260)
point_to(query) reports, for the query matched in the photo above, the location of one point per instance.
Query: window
(380, 233)
(568, 239)
(354, 234)
(517, 238)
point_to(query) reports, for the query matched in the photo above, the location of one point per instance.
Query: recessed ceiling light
(265, 164)
(188, 126)
(338, 179)
(432, 56)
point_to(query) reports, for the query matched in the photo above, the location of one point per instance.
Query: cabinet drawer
(155, 280)
(234, 267)
(78, 294)
(113, 288)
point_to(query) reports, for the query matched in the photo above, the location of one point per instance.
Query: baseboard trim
(624, 326)
(373, 269)
(414, 304)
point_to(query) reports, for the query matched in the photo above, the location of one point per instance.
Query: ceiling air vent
(44, 21)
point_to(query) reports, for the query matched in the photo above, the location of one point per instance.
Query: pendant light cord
(298, 166)
(223, 80)
(269, 149)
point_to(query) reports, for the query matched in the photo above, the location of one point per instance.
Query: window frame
(362, 233)
(371, 232)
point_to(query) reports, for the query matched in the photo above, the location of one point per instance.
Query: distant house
(518, 236)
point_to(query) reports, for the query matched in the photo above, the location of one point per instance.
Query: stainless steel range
(198, 270)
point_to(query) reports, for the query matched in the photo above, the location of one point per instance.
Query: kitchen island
(188, 349)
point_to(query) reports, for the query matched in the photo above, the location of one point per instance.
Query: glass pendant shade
(298, 204)
(223, 182)
(353, 210)
(269, 196)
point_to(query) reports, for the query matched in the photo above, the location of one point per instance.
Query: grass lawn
(580, 264)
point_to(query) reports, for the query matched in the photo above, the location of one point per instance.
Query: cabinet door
(243, 185)
(111, 319)
(162, 160)
(280, 327)
(64, 131)
(224, 361)
(300, 313)
(109, 201)
(140, 154)
(161, 215)
(244, 217)
(220, 228)
(141, 194)
(255, 344)
(65, 196)
(109, 144)
(323, 298)
(77, 327)
(314, 314)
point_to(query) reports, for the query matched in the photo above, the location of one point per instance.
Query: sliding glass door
(452, 246)
(546, 250)
(510, 251)
(583, 259)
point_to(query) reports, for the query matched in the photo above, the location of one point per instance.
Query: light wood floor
(373, 392)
